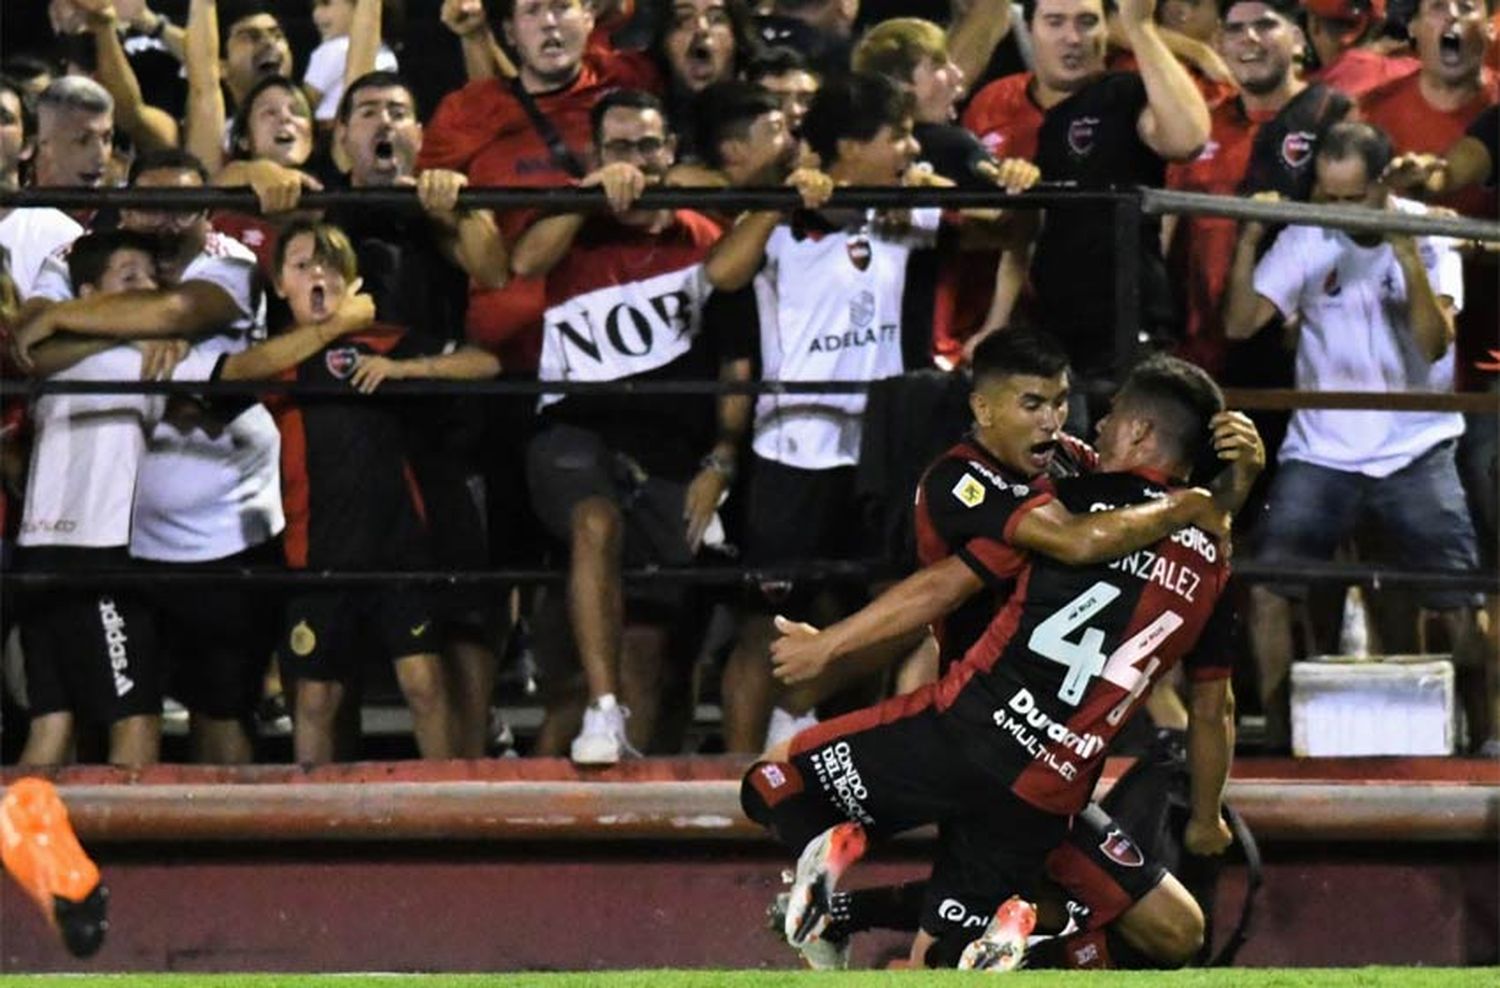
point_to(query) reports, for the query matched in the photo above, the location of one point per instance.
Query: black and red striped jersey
(347, 486)
(967, 505)
(1061, 668)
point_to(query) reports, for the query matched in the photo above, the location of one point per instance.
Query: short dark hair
(624, 99)
(26, 67)
(1028, 9)
(379, 79)
(1357, 139)
(1180, 398)
(89, 255)
(161, 159)
(239, 127)
(853, 107)
(1009, 352)
(231, 12)
(1289, 9)
(725, 111)
(776, 60)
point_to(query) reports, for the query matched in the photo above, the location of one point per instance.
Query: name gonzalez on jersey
(1146, 564)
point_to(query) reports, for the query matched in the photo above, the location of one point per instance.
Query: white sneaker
(823, 861)
(602, 740)
(784, 726)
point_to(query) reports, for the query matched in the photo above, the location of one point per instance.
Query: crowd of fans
(1348, 101)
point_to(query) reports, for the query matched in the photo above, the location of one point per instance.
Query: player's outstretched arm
(1210, 750)
(803, 652)
(1082, 539)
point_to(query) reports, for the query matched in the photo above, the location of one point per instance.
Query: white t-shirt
(1356, 336)
(85, 455)
(206, 493)
(325, 72)
(830, 309)
(31, 236)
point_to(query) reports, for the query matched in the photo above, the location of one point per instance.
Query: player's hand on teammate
(1209, 513)
(160, 357)
(1207, 838)
(800, 654)
(815, 187)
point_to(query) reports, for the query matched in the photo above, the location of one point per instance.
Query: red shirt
(1359, 70)
(482, 131)
(1005, 118)
(1400, 109)
(1204, 245)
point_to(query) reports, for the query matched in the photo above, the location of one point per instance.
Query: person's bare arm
(977, 29)
(1079, 539)
(470, 238)
(205, 106)
(739, 254)
(715, 476)
(1175, 122)
(364, 40)
(482, 54)
(288, 349)
(189, 309)
(467, 363)
(1210, 751)
(1430, 315)
(1245, 309)
(150, 127)
(803, 652)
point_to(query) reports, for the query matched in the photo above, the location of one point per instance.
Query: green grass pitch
(1370, 977)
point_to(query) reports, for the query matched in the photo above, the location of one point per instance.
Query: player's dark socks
(887, 907)
(1090, 950)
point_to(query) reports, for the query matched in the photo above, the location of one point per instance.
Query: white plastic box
(1384, 705)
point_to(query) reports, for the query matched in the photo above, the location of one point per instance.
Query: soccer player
(636, 480)
(351, 505)
(1262, 139)
(1005, 749)
(966, 548)
(41, 852)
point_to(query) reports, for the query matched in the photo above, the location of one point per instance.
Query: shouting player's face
(312, 284)
(549, 36)
(1068, 38)
(1018, 418)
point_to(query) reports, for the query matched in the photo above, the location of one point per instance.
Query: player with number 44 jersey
(1005, 749)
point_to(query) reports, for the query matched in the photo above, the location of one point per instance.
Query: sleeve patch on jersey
(970, 492)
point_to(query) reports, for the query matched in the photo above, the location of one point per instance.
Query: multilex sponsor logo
(114, 640)
(1033, 729)
(838, 776)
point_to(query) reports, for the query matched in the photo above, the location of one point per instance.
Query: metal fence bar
(1244, 398)
(1251, 571)
(1351, 218)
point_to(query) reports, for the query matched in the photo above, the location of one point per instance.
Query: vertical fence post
(1127, 256)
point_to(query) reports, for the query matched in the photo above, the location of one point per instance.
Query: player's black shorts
(792, 514)
(329, 634)
(1102, 869)
(218, 638)
(894, 767)
(90, 652)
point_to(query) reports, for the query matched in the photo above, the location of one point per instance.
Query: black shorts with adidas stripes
(91, 652)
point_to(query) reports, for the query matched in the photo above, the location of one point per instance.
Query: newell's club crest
(1297, 148)
(859, 251)
(341, 361)
(1081, 133)
(1121, 850)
